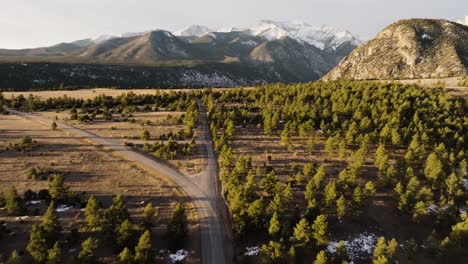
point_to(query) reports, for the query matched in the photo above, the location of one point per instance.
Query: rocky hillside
(409, 49)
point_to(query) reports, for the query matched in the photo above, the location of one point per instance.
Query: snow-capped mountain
(194, 30)
(269, 51)
(323, 37)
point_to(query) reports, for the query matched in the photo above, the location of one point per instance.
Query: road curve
(204, 196)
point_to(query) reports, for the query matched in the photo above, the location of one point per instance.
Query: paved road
(204, 195)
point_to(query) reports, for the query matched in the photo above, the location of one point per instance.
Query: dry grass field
(157, 123)
(88, 170)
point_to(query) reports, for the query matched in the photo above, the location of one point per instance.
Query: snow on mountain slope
(194, 30)
(323, 37)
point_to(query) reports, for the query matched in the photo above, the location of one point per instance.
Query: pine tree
(277, 204)
(88, 250)
(275, 226)
(420, 211)
(381, 158)
(37, 245)
(124, 233)
(380, 260)
(369, 190)
(13, 202)
(308, 170)
(115, 214)
(319, 230)
(230, 129)
(54, 255)
(14, 258)
(145, 135)
(57, 190)
(177, 227)
(92, 215)
(143, 251)
(273, 252)
(357, 198)
(126, 257)
(149, 216)
(341, 207)
(302, 233)
(50, 224)
(330, 194)
(392, 247)
(255, 213)
(380, 248)
(433, 169)
(321, 258)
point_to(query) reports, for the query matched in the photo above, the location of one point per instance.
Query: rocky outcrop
(409, 49)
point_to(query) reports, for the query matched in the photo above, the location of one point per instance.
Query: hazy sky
(33, 23)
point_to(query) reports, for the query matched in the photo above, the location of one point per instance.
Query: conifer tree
(319, 230)
(433, 168)
(14, 258)
(50, 224)
(126, 256)
(321, 258)
(57, 189)
(143, 251)
(149, 215)
(54, 254)
(91, 212)
(341, 207)
(124, 233)
(380, 248)
(302, 233)
(330, 194)
(37, 245)
(274, 227)
(88, 250)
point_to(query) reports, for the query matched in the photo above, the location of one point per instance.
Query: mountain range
(276, 51)
(270, 51)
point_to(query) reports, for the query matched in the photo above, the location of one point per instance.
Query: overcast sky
(33, 23)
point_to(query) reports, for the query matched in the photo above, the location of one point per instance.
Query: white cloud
(463, 21)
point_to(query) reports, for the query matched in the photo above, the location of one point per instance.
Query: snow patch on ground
(180, 255)
(465, 184)
(249, 43)
(34, 202)
(252, 251)
(432, 208)
(63, 208)
(208, 80)
(426, 36)
(358, 247)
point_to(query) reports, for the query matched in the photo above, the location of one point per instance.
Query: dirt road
(203, 196)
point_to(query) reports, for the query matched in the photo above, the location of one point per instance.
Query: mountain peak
(193, 30)
(323, 37)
